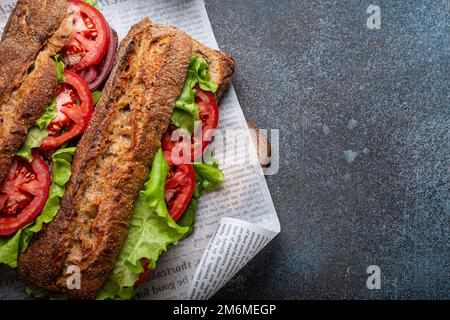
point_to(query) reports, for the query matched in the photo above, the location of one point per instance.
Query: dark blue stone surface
(364, 119)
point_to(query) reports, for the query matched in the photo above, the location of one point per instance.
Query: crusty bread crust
(34, 33)
(20, 112)
(113, 158)
(221, 66)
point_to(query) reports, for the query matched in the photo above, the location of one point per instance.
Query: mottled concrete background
(364, 119)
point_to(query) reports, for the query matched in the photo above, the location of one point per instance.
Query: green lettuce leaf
(34, 139)
(10, 247)
(49, 114)
(200, 68)
(211, 175)
(61, 172)
(42, 294)
(38, 132)
(150, 232)
(186, 100)
(92, 3)
(96, 95)
(196, 74)
(59, 68)
(183, 119)
(37, 292)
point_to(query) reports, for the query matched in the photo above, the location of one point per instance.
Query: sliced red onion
(95, 76)
(88, 74)
(105, 67)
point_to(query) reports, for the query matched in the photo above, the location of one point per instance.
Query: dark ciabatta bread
(35, 32)
(113, 158)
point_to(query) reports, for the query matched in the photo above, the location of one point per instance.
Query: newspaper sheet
(234, 223)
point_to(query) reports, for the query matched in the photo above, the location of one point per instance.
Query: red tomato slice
(89, 44)
(209, 116)
(72, 119)
(209, 112)
(23, 193)
(178, 147)
(180, 185)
